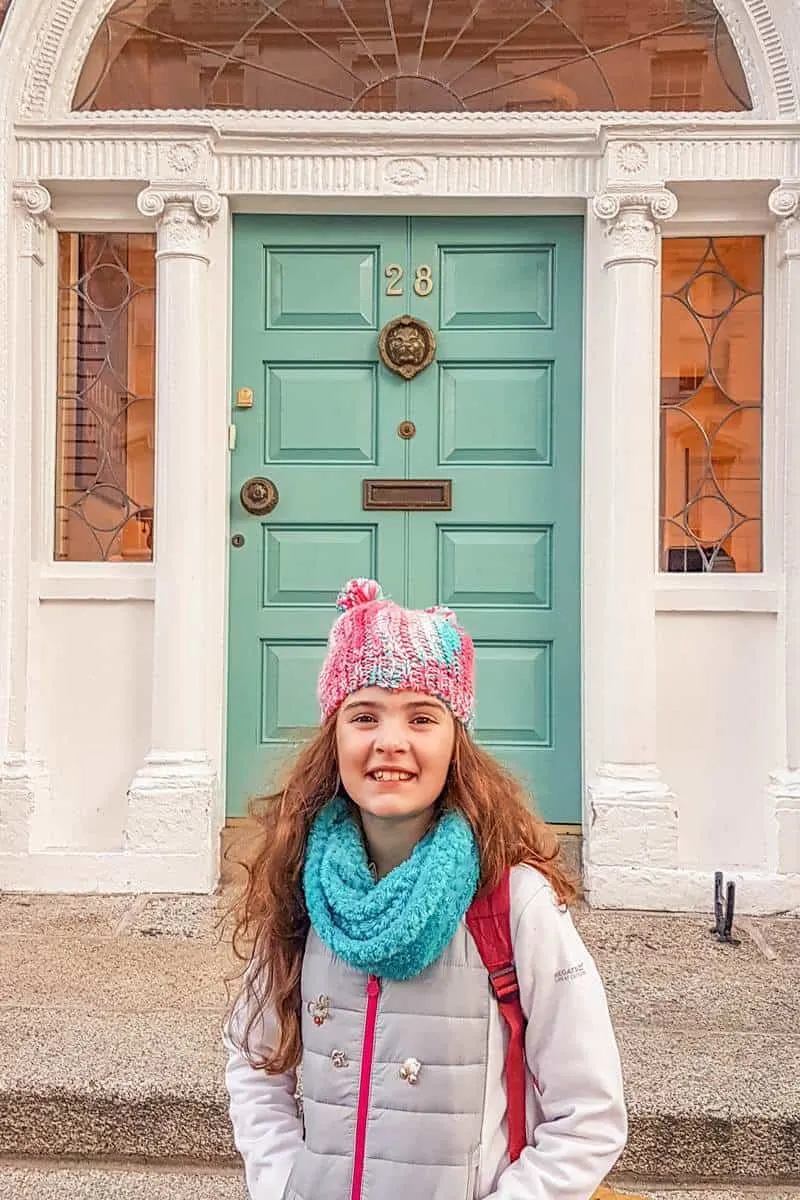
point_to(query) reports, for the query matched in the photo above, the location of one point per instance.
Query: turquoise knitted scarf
(400, 925)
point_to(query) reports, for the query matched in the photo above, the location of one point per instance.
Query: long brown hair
(271, 922)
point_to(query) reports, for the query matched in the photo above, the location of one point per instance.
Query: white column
(171, 800)
(632, 822)
(784, 842)
(24, 780)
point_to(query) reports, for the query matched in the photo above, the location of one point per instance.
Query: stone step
(129, 1085)
(70, 1181)
(111, 1011)
(46, 1181)
(125, 1085)
(733, 1192)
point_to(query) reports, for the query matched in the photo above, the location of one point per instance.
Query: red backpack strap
(489, 921)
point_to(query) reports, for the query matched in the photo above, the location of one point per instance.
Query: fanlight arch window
(413, 56)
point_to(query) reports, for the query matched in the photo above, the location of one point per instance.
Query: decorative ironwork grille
(413, 56)
(711, 404)
(106, 397)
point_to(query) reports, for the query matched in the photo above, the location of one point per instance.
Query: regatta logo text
(567, 974)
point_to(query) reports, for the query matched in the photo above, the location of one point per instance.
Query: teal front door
(491, 426)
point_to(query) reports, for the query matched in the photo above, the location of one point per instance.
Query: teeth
(392, 776)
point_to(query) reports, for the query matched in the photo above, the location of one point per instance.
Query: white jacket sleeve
(571, 1052)
(266, 1127)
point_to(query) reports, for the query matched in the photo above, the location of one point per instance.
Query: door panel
(497, 413)
(521, 413)
(307, 305)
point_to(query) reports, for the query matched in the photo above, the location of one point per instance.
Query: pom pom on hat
(356, 592)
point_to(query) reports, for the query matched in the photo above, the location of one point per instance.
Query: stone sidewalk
(110, 1011)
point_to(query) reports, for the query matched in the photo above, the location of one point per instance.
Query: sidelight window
(105, 434)
(712, 404)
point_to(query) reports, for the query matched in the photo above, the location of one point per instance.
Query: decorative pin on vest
(319, 1010)
(410, 1070)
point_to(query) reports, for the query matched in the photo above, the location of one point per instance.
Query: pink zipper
(367, 1053)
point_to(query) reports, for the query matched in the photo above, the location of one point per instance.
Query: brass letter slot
(415, 495)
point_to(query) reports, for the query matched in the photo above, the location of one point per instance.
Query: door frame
(593, 343)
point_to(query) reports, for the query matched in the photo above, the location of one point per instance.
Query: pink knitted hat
(376, 643)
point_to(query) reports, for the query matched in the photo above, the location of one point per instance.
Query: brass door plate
(244, 398)
(407, 495)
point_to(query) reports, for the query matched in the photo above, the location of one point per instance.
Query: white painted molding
(156, 202)
(769, 74)
(632, 819)
(784, 203)
(183, 219)
(631, 815)
(682, 597)
(171, 807)
(34, 202)
(112, 581)
(479, 163)
(633, 223)
(631, 829)
(660, 204)
(31, 196)
(784, 793)
(24, 777)
(758, 893)
(173, 798)
(25, 788)
(53, 871)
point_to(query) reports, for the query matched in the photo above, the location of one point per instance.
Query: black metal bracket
(723, 915)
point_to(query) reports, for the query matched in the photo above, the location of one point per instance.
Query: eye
(422, 719)
(363, 719)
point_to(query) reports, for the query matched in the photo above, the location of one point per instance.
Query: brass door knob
(259, 496)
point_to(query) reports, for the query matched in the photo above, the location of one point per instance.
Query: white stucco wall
(718, 725)
(96, 680)
(719, 732)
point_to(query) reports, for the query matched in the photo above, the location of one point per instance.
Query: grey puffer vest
(418, 1082)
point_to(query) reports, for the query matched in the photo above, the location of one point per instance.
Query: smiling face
(394, 751)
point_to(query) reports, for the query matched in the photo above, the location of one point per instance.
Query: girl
(361, 966)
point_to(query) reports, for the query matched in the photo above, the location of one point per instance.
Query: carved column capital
(32, 196)
(784, 200)
(784, 203)
(634, 223)
(34, 201)
(183, 218)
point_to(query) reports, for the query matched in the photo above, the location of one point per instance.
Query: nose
(391, 738)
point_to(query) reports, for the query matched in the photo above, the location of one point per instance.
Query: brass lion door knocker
(407, 346)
